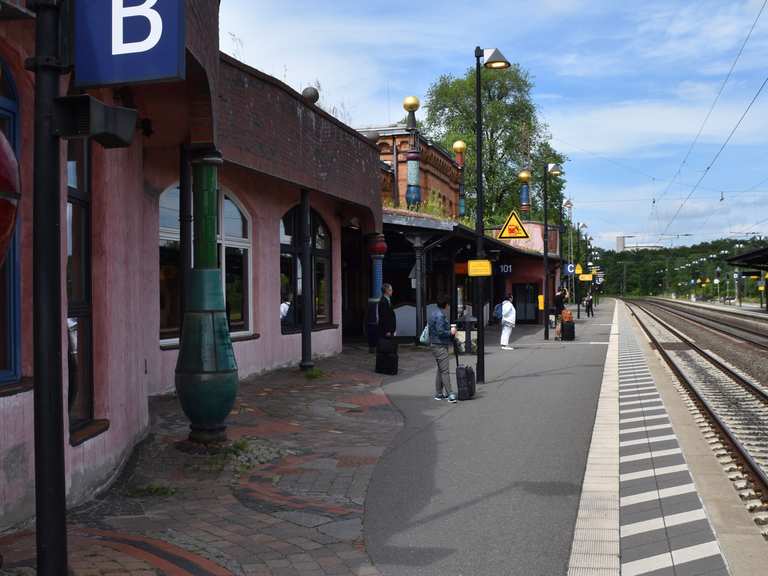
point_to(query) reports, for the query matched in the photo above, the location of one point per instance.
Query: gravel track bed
(746, 358)
(730, 321)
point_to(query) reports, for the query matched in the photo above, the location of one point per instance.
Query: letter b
(120, 13)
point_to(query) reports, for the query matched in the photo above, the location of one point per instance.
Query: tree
(513, 135)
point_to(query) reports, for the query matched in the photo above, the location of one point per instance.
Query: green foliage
(314, 374)
(655, 272)
(151, 491)
(513, 137)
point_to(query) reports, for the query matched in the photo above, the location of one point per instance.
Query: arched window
(291, 303)
(10, 321)
(233, 230)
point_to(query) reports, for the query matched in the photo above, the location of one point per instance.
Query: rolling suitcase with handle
(568, 330)
(465, 379)
(387, 359)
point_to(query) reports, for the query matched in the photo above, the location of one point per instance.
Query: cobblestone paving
(285, 498)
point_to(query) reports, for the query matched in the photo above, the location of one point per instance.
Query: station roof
(442, 230)
(757, 259)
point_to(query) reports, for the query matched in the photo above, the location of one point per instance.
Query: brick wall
(266, 126)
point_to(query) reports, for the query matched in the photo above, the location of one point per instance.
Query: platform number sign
(129, 41)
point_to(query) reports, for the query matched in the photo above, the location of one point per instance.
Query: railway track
(734, 405)
(753, 332)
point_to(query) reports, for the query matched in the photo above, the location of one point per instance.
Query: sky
(625, 87)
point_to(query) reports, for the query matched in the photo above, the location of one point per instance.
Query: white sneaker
(507, 348)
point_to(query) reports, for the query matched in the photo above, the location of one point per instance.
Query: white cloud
(625, 127)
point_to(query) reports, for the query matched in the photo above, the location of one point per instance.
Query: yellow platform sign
(479, 268)
(513, 228)
(585, 277)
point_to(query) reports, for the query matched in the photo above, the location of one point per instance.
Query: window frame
(9, 108)
(170, 234)
(223, 242)
(295, 249)
(82, 309)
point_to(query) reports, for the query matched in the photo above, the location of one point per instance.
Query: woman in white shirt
(508, 319)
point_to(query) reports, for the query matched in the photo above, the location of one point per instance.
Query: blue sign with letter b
(128, 41)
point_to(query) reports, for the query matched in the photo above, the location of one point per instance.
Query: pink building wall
(129, 364)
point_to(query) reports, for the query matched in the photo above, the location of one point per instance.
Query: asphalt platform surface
(490, 487)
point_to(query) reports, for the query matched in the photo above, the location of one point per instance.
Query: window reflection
(233, 250)
(291, 271)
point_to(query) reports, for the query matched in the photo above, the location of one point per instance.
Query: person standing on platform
(560, 296)
(508, 320)
(387, 317)
(441, 335)
(588, 305)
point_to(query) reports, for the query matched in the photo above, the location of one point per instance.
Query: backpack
(497, 313)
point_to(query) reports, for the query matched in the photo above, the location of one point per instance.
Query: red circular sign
(9, 194)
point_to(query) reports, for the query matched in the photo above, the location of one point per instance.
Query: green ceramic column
(206, 370)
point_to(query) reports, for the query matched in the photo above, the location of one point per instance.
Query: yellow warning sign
(513, 228)
(579, 269)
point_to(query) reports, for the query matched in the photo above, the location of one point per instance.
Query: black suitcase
(465, 379)
(386, 346)
(386, 361)
(568, 331)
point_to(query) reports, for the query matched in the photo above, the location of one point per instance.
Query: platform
(655, 501)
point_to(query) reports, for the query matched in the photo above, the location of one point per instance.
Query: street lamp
(550, 169)
(576, 285)
(568, 205)
(495, 60)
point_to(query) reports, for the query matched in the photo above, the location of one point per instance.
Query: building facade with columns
(439, 174)
(296, 199)
(429, 245)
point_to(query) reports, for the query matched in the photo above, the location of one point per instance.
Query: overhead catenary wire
(714, 103)
(658, 179)
(717, 155)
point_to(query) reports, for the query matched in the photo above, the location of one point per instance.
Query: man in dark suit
(387, 318)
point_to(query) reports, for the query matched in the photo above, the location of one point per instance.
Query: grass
(151, 491)
(314, 374)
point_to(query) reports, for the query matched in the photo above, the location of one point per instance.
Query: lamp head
(459, 147)
(494, 59)
(554, 169)
(568, 204)
(411, 103)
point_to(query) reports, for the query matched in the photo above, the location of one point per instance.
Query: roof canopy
(757, 259)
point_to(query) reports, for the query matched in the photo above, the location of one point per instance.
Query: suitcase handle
(456, 352)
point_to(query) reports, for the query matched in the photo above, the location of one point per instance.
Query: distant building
(439, 174)
(621, 245)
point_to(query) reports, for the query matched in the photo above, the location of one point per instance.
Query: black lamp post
(553, 170)
(495, 60)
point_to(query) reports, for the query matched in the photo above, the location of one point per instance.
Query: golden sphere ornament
(459, 147)
(411, 103)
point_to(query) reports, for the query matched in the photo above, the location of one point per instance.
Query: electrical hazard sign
(513, 228)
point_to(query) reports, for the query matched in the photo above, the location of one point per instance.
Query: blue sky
(624, 87)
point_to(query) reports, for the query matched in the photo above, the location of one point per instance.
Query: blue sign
(570, 269)
(129, 41)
